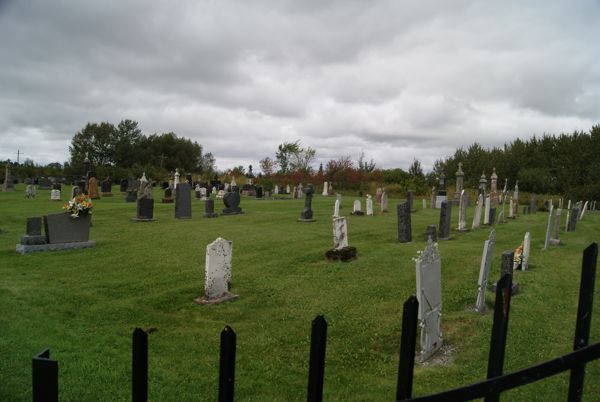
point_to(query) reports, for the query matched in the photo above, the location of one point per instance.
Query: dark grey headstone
(404, 222)
(106, 186)
(532, 205)
(573, 219)
(145, 208)
(232, 202)
(62, 228)
(409, 199)
(431, 232)
(34, 226)
(183, 201)
(168, 192)
(492, 216)
(209, 209)
(445, 218)
(123, 185)
(507, 268)
(131, 196)
(259, 192)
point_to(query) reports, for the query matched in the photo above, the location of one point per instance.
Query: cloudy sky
(396, 80)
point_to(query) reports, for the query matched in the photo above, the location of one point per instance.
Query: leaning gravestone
(209, 208)
(307, 214)
(217, 271)
(484, 271)
(336, 209)
(404, 223)
(526, 252)
(232, 204)
(384, 202)
(477, 215)
(554, 236)
(183, 201)
(549, 228)
(429, 295)
(445, 218)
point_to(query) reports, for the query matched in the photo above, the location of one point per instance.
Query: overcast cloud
(396, 80)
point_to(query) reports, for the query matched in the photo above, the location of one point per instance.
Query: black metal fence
(45, 370)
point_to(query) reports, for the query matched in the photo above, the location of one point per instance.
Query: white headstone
(462, 212)
(429, 295)
(287, 189)
(176, 180)
(276, 190)
(584, 210)
(357, 207)
(568, 216)
(336, 209)
(55, 195)
(510, 208)
(486, 215)
(217, 277)
(526, 252)
(424, 203)
(340, 233)
(325, 189)
(384, 202)
(369, 205)
(549, 227)
(484, 271)
(477, 215)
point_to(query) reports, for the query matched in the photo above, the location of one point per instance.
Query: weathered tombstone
(55, 195)
(462, 212)
(204, 193)
(516, 200)
(338, 197)
(336, 209)
(217, 272)
(93, 192)
(168, 196)
(554, 235)
(307, 214)
(29, 191)
(75, 191)
(197, 191)
(325, 189)
(511, 214)
(106, 187)
(568, 220)
(526, 252)
(369, 205)
(584, 210)
(445, 218)
(424, 203)
(176, 181)
(549, 228)
(477, 215)
(33, 234)
(378, 194)
(431, 233)
(441, 193)
(432, 201)
(484, 271)
(532, 205)
(259, 192)
(429, 295)
(486, 215)
(404, 222)
(276, 189)
(494, 188)
(482, 184)
(356, 210)
(232, 202)
(340, 233)
(209, 208)
(384, 202)
(8, 181)
(459, 184)
(131, 196)
(573, 220)
(183, 201)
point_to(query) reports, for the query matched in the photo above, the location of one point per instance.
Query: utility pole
(19, 153)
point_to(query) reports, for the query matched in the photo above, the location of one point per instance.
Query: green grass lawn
(84, 304)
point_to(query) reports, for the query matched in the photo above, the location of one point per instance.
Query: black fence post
(500, 325)
(44, 374)
(139, 366)
(584, 317)
(227, 365)
(316, 368)
(408, 342)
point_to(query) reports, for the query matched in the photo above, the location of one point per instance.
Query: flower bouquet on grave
(79, 205)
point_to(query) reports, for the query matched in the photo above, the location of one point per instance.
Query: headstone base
(167, 200)
(554, 242)
(211, 215)
(344, 254)
(226, 212)
(26, 249)
(223, 298)
(106, 194)
(357, 213)
(143, 219)
(131, 197)
(306, 220)
(30, 240)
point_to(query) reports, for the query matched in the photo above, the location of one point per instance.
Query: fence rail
(45, 370)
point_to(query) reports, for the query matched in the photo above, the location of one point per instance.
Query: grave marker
(484, 271)
(217, 271)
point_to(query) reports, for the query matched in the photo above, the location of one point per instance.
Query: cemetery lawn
(84, 304)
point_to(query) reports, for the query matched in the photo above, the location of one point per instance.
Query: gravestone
(554, 235)
(60, 227)
(429, 295)
(259, 192)
(75, 192)
(209, 208)
(584, 210)
(356, 210)
(404, 222)
(492, 216)
(33, 233)
(131, 196)
(325, 189)
(338, 197)
(445, 219)
(197, 192)
(384, 202)
(123, 185)
(287, 189)
(183, 201)
(307, 214)
(232, 202)
(424, 203)
(369, 205)
(106, 187)
(340, 233)
(494, 188)
(511, 208)
(409, 199)
(430, 233)
(484, 271)
(526, 252)
(549, 227)
(482, 184)
(336, 209)
(568, 220)
(532, 205)
(93, 191)
(378, 194)
(217, 272)
(477, 214)
(168, 196)
(276, 189)
(441, 193)
(433, 192)
(8, 184)
(573, 220)
(55, 195)
(462, 212)
(145, 206)
(486, 215)
(459, 184)
(30, 191)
